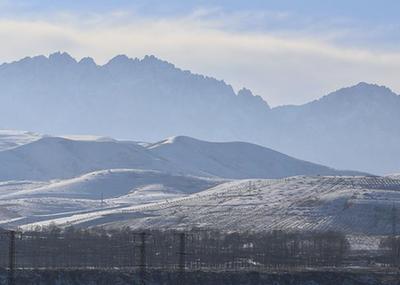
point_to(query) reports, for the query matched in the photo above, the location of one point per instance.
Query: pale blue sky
(286, 51)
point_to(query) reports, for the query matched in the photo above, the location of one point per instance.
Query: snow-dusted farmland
(354, 205)
(26, 201)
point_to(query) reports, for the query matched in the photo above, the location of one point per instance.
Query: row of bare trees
(196, 249)
(392, 254)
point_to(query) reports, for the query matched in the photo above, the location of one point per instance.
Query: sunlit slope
(11, 138)
(238, 160)
(114, 183)
(25, 202)
(59, 158)
(354, 205)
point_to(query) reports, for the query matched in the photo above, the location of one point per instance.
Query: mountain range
(149, 99)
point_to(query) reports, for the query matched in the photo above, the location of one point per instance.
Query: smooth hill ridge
(238, 160)
(12, 138)
(61, 158)
(58, 158)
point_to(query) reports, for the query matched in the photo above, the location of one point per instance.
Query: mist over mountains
(150, 99)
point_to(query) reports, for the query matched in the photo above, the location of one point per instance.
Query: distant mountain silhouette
(149, 99)
(146, 99)
(357, 127)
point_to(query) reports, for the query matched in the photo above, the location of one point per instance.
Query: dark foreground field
(118, 277)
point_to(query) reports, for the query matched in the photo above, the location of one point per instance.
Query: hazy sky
(289, 52)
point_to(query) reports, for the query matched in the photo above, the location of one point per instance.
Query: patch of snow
(88, 138)
(394, 175)
(29, 201)
(10, 139)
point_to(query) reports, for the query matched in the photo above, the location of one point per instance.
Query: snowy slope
(58, 158)
(394, 175)
(11, 138)
(114, 183)
(87, 138)
(61, 158)
(354, 205)
(35, 201)
(236, 160)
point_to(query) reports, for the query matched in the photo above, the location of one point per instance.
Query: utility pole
(142, 256)
(142, 263)
(102, 200)
(182, 258)
(11, 258)
(394, 230)
(394, 240)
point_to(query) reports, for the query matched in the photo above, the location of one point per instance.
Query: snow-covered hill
(394, 175)
(23, 202)
(60, 158)
(237, 160)
(113, 183)
(354, 205)
(96, 181)
(10, 139)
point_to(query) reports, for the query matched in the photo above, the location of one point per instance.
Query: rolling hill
(236, 160)
(60, 158)
(10, 139)
(24, 202)
(353, 205)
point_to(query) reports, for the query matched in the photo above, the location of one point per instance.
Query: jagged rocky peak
(364, 89)
(119, 60)
(247, 95)
(367, 89)
(148, 61)
(153, 60)
(61, 57)
(87, 61)
(245, 92)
